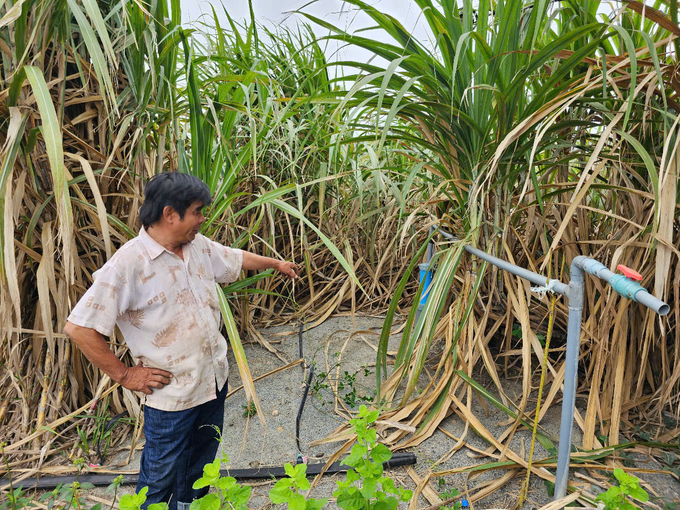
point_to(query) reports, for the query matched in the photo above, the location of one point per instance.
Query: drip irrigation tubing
(264, 472)
(308, 383)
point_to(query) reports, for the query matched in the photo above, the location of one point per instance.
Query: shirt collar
(153, 248)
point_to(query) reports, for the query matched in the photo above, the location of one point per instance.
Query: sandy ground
(342, 346)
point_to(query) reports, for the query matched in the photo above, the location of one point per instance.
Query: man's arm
(95, 348)
(253, 261)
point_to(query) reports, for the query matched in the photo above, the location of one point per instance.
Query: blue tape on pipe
(425, 274)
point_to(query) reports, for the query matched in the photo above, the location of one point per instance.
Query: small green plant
(346, 387)
(616, 498)
(249, 410)
(95, 438)
(230, 496)
(135, 501)
(320, 384)
(517, 333)
(83, 443)
(16, 500)
(366, 459)
(448, 494)
(65, 497)
(113, 487)
(16, 497)
(287, 490)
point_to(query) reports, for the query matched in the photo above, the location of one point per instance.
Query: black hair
(172, 189)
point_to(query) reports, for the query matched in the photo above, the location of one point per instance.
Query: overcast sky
(275, 12)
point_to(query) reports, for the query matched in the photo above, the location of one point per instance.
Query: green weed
(616, 498)
(366, 459)
(446, 494)
(287, 490)
(230, 495)
(347, 389)
(135, 501)
(249, 410)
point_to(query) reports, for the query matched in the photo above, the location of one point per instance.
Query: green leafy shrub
(135, 501)
(366, 460)
(616, 498)
(287, 490)
(231, 495)
(16, 499)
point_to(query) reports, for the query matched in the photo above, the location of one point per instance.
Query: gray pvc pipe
(642, 296)
(575, 292)
(579, 266)
(570, 377)
(430, 246)
(651, 302)
(536, 278)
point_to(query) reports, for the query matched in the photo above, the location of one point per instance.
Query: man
(159, 288)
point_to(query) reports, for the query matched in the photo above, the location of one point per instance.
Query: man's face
(185, 229)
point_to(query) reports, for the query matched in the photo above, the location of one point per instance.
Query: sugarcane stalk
(47, 372)
(64, 379)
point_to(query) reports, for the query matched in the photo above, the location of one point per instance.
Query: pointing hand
(290, 269)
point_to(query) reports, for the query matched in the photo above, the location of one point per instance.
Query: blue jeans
(178, 445)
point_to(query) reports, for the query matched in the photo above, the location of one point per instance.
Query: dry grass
(54, 239)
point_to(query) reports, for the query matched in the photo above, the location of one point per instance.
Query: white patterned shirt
(168, 312)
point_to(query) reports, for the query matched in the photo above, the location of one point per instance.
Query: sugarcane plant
(546, 130)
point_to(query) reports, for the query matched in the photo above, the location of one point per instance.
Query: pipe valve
(629, 273)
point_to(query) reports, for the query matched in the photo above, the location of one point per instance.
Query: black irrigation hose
(300, 344)
(104, 479)
(304, 395)
(308, 383)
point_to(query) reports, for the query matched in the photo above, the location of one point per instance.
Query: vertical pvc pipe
(425, 280)
(425, 274)
(576, 292)
(430, 246)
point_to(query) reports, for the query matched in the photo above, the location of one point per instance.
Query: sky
(276, 12)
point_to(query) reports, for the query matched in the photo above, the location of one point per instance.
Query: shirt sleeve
(107, 298)
(226, 262)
